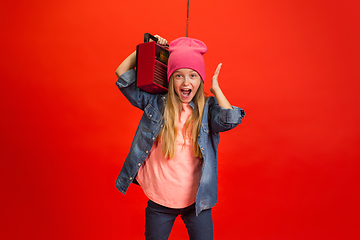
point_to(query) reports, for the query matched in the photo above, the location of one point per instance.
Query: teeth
(186, 92)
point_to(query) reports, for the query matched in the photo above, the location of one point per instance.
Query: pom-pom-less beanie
(186, 53)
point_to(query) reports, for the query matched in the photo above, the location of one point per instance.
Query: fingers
(217, 71)
(161, 41)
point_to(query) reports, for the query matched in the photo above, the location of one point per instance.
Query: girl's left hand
(216, 90)
(215, 83)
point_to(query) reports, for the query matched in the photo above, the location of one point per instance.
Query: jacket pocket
(151, 118)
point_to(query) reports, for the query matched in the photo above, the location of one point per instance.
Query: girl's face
(186, 83)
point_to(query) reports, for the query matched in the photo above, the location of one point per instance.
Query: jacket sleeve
(225, 119)
(127, 85)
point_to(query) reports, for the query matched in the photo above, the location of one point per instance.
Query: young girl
(173, 156)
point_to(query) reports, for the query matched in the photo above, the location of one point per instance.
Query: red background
(289, 171)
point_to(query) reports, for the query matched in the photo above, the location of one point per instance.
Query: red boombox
(151, 66)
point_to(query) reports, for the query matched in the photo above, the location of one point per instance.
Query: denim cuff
(231, 115)
(126, 79)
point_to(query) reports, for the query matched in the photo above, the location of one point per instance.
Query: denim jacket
(215, 119)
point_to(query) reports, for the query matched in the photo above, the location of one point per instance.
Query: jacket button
(147, 151)
(130, 178)
(202, 148)
(139, 164)
(153, 138)
(150, 115)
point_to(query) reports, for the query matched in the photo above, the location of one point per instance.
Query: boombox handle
(148, 36)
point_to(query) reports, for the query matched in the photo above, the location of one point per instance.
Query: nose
(186, 80)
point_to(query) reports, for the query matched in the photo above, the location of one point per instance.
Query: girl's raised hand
(215, 83)
(216, 90)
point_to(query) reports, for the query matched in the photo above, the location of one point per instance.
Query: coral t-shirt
(172, 182)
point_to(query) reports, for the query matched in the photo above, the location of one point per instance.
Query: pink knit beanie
(186, 53)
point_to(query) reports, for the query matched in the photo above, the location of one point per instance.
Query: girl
(173, 156)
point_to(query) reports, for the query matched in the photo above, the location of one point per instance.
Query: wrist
(216, 90)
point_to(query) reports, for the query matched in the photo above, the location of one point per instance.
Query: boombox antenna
(187, 19)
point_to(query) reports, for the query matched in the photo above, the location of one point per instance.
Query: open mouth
(185, 92)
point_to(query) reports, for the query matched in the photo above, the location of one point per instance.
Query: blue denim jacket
(215, 119)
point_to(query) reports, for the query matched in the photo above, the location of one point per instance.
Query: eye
(194, 75)
(177, 75)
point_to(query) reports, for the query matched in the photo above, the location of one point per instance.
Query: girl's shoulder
(162, 97)
(211, 101)
(159, 101)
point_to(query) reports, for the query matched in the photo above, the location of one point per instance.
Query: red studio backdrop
(289, 171)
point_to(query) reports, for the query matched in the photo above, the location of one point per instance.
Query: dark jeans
(159, 221)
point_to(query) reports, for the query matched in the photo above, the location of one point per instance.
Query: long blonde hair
(172, 111)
